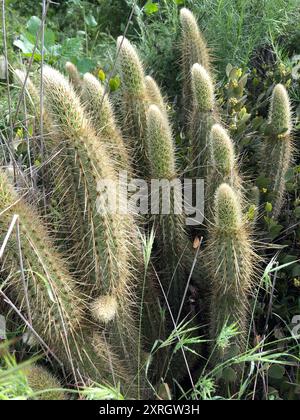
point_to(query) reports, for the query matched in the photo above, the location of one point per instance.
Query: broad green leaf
(85, 65)
(33, 25)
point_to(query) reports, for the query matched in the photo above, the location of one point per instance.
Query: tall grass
(234, 28)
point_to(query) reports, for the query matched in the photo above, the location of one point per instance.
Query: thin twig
(4, 34)
(189, 281)
(25, 285)
(42, 342)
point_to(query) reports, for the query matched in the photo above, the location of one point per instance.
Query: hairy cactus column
(154, 94)
(110, 282)
(52, 300)
(222, 164)
(173, 243)
(277, 153)
(193, 50)
(133, 103)
(230, 260)
(202, 119)
(65, 214)
(101, 113)
(74, 76)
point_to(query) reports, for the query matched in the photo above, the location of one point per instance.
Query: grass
(235, 30)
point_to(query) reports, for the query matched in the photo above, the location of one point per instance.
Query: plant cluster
(108, 295)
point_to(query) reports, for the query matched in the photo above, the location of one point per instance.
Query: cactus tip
(228, 209)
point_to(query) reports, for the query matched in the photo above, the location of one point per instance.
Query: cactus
(173, 242)
(109, 231)
(231, 267)
(222, 165)
(101, 114)
(57, 307)
(202, 119)
(134, 102)
(193, 50)
(86, 311)
(65, 214)
(74, 76)
(154, 94)
(52, 293)
(278, 146)
(44, 384)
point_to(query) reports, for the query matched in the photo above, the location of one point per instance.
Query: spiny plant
(101, 301)
(194, 50)
(74, 76)
(43, 288)
(154, 94)
(278, 146)
(133, 101)
(105, 309)
(100, 111)
(173, 244)
(62, 187)
(202, 118)
(108, 231)
(230, 260)
(222, 163)
(48, 282)
(44, 385)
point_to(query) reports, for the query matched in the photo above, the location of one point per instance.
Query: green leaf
(90, 21)
(243, 81)
(49, 38)
(85, 65)
(229, 67)
(297, 212)
(252, 213)
(33, 25)
(151, 7)
(71, 47)
(296, 270)
(235, 73)
(24, 45)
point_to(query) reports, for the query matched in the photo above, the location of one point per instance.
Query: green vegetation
(102, 303)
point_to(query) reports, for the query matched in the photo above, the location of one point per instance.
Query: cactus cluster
(87, 288)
